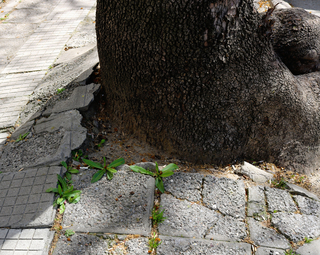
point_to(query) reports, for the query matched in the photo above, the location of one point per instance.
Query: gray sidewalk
(45, 45)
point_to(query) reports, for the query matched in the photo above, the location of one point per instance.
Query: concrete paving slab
(296, 226)
(122, 205)
(312, 248)
(307, 205)
(23, 200)
(267, 237)
(269, 251)
(279, 201)
(80, 99)
(225, 195)
(297, 190)
(22, 130)
(185, 218)
(184, 186)
(188, 246)
(256, 203)
(25, 241)
(227, 229)
(137, 246)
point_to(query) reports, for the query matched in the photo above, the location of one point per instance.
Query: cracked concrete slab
(188, 246)
(307, 205)
(25, 241)
(311, 248)
(269, 251)
(23, 200)
(225, 195)
(122, 205)
(185, 218)
(256, 203)
(267, 237)
(279, 201)
(184, 186)
(296, 226)
(254, 173)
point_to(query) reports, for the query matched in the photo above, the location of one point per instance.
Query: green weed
(66, 194)
(101, 143)
(281, 184)
(157, 216)
(69, 232)
(165, 172)
(70, 170)
(308, 240)
(22, 136)
(77, 154)
(60, 90)
(154, 242)
(109, 169)
(290, 252)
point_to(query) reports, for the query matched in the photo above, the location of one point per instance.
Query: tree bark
(201, 79)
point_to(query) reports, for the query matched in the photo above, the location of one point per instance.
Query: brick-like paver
(23, 200)
(25, 241)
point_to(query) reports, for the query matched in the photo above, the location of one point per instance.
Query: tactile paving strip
(23, 200)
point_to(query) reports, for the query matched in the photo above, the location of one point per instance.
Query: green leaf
(117, 162)
(72, 196)
(50, 190)
(159, 184)
(92, 164)
(167, 173)
(60, 200)
(73, 171)
(98, 175)
(68, 175)
(110, 175)
(170, 167)
(64, 164)
(62, 182)
(60, 190)
(62, 208)
(141, 170)
(104, 162)
(112, 170)
(157, 168)
(75, 199)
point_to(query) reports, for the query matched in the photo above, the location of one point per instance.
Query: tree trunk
(201, 79)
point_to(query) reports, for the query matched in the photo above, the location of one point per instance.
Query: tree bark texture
(201, 79)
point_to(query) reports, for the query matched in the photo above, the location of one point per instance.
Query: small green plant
(22, 136)
(50, 66)
(275, 211)
(157, 215)
(154, 242)
(109, 169)
(101, 143)
(5, 17)
(165, 172)
(290, 252)
(308, 240)
(77, 154)
(70, 170)
(281, 184)
(60, 90)
(66, 193)
(69, 232)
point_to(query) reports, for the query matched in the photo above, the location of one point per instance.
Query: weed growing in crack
(109, 169)
(290, 252)
(308, 240)
(22, 136)
(59, 90)
(279, 183)
(157, 215)
(66, 194)
(165, 172)
(70, 171)
(154, 242)
(101, 143)
(69, 232)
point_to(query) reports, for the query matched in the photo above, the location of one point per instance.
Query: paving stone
(296, 226)
(25, 128)
(28, 205)
(137, 246)
(312, 248)
(225, 195)
(25, 241)
(187, 246)
(307, 205)
(184, 186)
(122, 205)
(269, 251)
(82, 244)
(254, 173)
(263, 236)
(256, 203)
(279, 201)
(80, 99)
(227, 229)
(39, 150)
(297, 190)
(185, 218)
